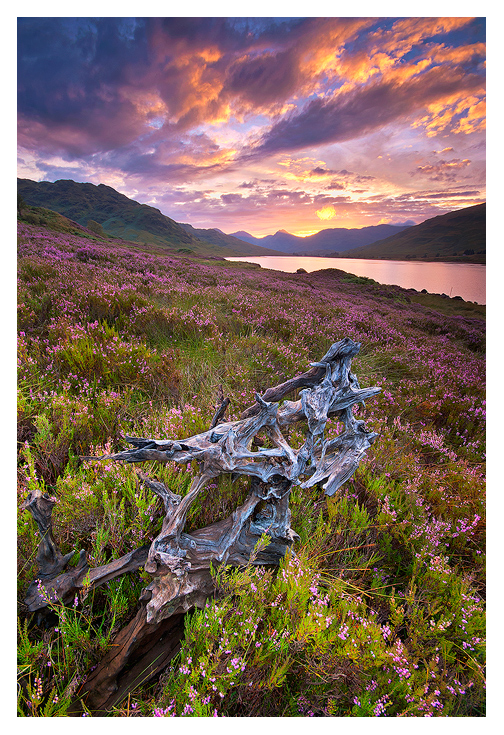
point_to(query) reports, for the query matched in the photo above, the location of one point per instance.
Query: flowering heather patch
(380, 611)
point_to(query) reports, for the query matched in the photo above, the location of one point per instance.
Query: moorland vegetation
(380, 610)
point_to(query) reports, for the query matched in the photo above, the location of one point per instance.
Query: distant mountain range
(326, 242)
(217, 237)
(458, 235)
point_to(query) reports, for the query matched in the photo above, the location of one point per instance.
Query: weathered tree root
(140, 650)
(180, 562)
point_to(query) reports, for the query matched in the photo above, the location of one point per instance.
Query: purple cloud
(363, 109)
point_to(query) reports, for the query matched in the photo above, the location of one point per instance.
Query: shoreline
(450, 261)
(437, 284)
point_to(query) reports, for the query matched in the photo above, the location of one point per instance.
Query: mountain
(125, 218)
(116, 213)
(245, 236)
(217, 237)
(326, 242)
(458, 235)
(281, 240)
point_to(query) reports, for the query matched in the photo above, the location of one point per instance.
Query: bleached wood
(180, 562)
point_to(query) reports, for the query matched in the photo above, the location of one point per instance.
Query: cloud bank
(289, 117)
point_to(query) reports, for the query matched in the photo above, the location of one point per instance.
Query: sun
(327, 212)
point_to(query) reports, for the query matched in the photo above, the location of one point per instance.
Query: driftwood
(179, 562)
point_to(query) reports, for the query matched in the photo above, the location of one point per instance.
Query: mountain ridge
(325, 242)
(218, 237)
(128, 219)
(457, 235)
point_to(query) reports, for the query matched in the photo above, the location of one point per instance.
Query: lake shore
(464, 280)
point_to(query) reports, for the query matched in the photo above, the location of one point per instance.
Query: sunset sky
(259, 124)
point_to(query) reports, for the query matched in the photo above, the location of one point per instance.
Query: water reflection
(467, 280)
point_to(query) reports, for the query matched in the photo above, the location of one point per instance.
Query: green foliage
(96, 228)
(274, 644)
(350, 278)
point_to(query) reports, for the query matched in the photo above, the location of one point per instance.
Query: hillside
(58, 222)
(116, 213)
(380, 610)
(323, 243)
(125, 218)
(456, 236)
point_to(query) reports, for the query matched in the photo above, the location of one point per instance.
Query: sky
(259, 124)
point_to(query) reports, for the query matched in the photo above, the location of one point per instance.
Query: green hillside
(116, 213)
(58, 222)
(456, 236)
(127, 219)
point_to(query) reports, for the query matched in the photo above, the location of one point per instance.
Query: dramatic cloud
(270, 120)
(360, 110)
(442, 170)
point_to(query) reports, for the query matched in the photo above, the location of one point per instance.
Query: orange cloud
(457, 55)
(445, 114)
(474, 120)
(403, 73)
(383, 51)
(266, 79)
(359, 67)
(320, 49)
(442, 170)
(409, 32)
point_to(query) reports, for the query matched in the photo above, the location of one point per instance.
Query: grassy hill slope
(380, 610)
(127, 219)
(116, 213)
(57, 222)
(456, 236)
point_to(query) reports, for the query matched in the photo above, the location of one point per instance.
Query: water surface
(467, 280)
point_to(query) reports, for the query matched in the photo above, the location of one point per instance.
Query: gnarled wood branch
(180, 562)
